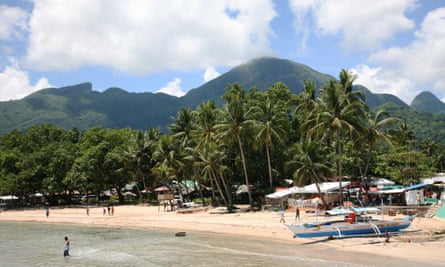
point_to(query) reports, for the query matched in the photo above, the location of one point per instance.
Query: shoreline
(411, 249)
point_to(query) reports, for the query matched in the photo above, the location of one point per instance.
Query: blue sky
(395, 47)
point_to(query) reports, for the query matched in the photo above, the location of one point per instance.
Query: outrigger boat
(352, 226)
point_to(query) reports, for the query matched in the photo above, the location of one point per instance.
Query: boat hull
(341, 229)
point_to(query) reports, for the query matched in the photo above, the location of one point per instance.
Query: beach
(422, 247)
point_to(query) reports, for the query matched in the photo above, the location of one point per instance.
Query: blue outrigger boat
(352, 226)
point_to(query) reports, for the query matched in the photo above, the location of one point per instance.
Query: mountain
(260, 73)
(427, 102)
(80, 107)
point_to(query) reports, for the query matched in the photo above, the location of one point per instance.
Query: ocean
(37, 244)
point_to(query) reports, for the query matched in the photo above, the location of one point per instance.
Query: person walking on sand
(47, 212)
(104, 212)
(88, 211)
(282, 216)
(66, 248)
(297, 214)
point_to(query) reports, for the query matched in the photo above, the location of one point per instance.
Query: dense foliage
(255, 138)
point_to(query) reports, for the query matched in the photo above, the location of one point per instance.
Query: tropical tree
(234, 117)
(339, 115)
(309, 164)
(374, 131)
(268, 121)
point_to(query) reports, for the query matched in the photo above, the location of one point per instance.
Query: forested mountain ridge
(427, 102)
(80, 107)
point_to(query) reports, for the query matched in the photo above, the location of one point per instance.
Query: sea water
(34, 244)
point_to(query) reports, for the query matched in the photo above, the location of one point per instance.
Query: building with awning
(325, 188)
(279, 198)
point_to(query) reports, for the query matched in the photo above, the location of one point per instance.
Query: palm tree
(339, 115)
(183, 127)
(233, 123)
(403, 136)
(309, 164)
(206, 118)
(141, 156)
(370, 136)
(210, 159)
(307, 100)
(268, 122)
(373, 133)
(170, 162)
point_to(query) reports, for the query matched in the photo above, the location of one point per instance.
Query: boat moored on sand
(352, 226)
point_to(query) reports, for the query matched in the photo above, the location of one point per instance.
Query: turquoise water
(33, 244)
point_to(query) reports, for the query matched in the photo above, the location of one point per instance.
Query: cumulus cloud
(363, 25)
(172, 88)
(13, 23)
(422, 62)
(383, 81)
(15, 83)
(210, 74)
(144, 37)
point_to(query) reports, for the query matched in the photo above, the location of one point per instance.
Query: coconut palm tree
(234, 117)
(183, 126)
(309, 164)
(141, 155)
(339, 115)
(268, 121)
(373, 133)
(206, 119)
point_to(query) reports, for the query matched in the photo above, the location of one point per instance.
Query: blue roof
(414, 186)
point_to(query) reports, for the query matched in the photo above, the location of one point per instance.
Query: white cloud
(422, 62)
(143, 37)
(172, 88)
(15, 83)
(13, 23)
(363, 25)
(384, 82)
(210, 74)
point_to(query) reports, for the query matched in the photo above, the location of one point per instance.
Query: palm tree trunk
(215, 176)
(243, 159)
(228, 192)
(339, 164)
(268, 164)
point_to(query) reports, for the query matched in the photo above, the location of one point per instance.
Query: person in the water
(66, 248)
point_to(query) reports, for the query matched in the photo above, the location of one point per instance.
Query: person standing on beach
(88, 211)
(282, 216)
(66, 248)
(47, 212)
(105, 211)
(297, 214)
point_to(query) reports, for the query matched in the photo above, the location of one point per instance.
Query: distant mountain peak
(428, 102)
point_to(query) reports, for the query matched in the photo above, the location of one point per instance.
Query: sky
(172, 46)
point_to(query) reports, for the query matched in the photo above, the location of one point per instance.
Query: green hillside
(80, 107)
(427, 102)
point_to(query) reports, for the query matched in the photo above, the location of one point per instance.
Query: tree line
(259, 139)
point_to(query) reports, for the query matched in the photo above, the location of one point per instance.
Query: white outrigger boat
(352, 226)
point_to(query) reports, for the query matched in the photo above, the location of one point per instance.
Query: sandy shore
(425, 246)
